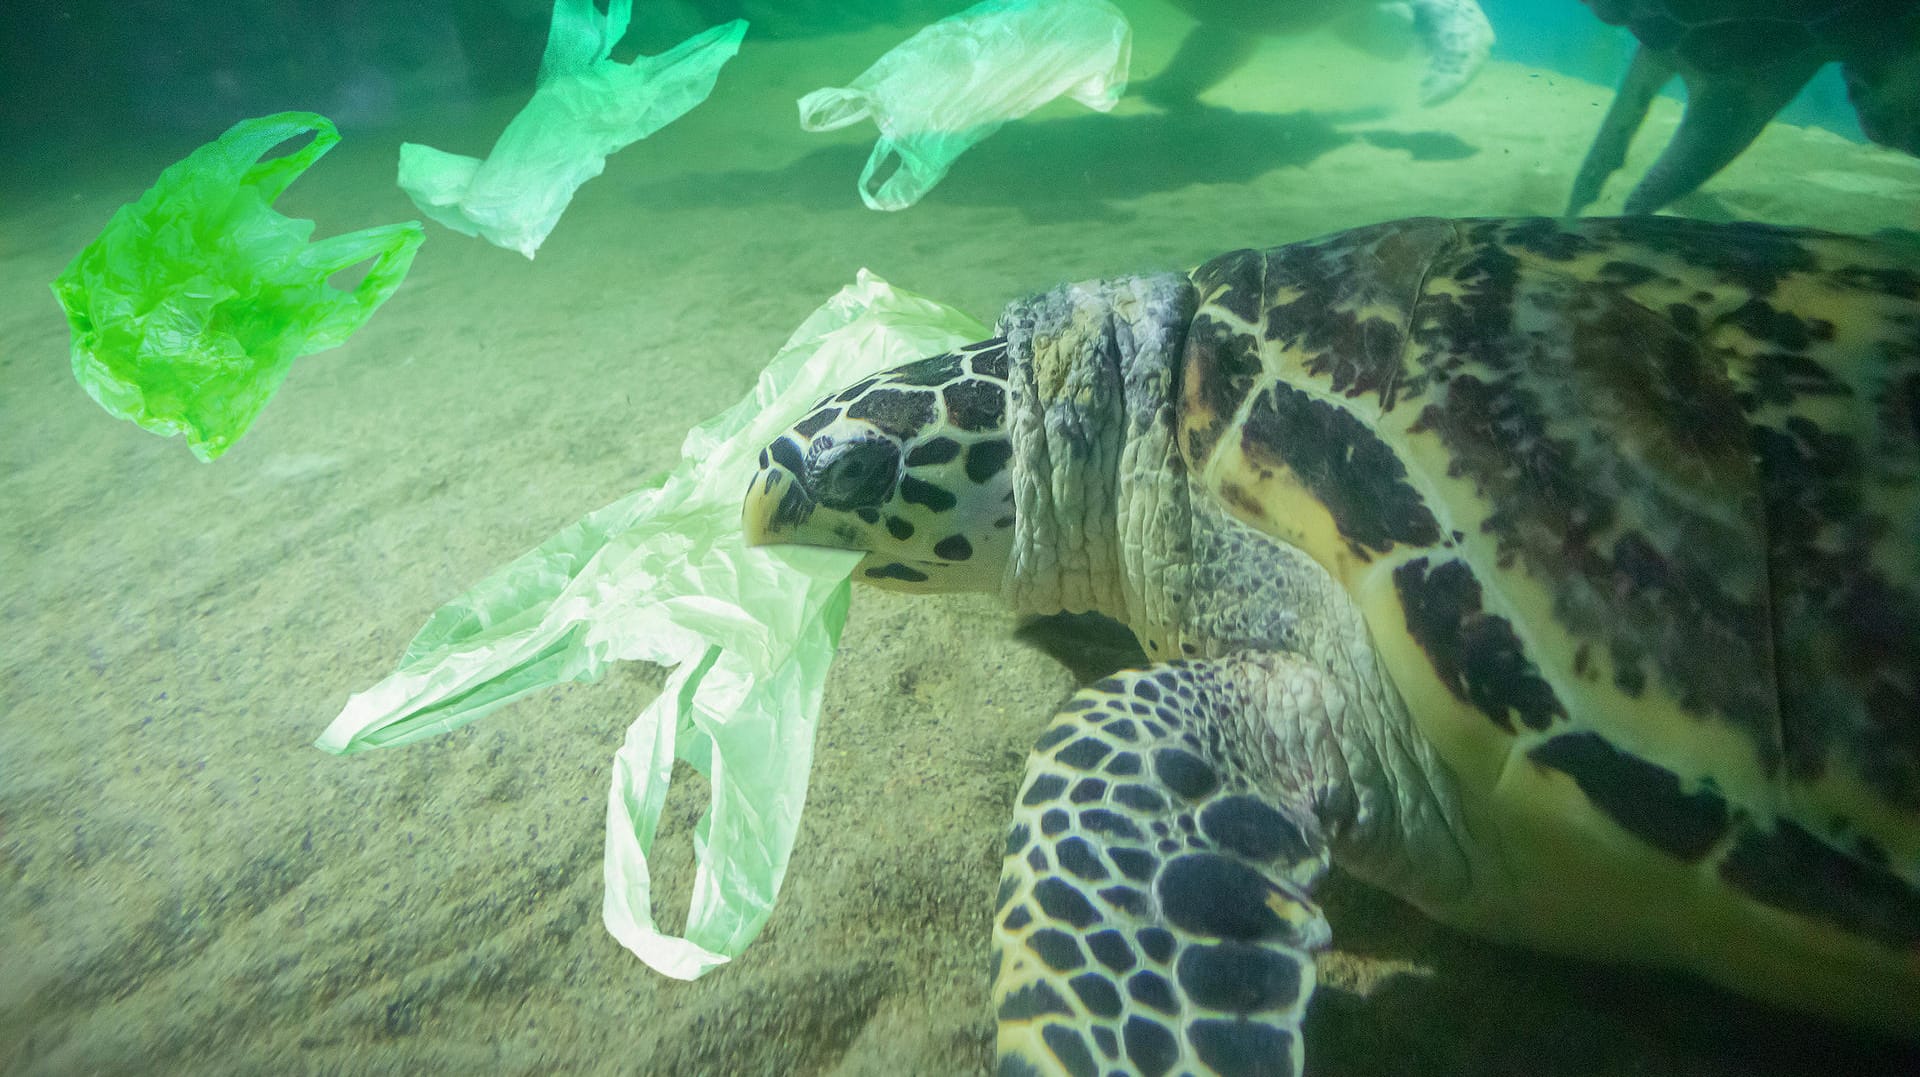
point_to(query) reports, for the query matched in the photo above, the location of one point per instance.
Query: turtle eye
(860, 477)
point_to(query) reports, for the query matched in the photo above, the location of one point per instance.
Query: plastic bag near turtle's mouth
(664, 575)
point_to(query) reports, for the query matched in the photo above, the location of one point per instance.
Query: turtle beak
(775, 505)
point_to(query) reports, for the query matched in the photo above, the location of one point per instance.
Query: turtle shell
(1632, 508)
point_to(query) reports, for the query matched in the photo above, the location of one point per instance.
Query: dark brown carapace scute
(1700, 443)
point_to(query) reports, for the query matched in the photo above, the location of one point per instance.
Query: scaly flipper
(1649, 72)
(1721, 120)
(1155, 914)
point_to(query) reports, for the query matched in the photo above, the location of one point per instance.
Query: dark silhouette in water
(1742, 61)
(1455, 33)
(1422, 145)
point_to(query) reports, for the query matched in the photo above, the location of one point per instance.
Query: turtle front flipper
(1721, 119)
(1649, 72)
(1154, 914)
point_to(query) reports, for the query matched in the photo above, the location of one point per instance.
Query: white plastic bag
(586, 107)
(954, 83)
(664, 575)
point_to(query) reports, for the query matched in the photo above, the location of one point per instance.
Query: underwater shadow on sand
(1477, 1007)
(1069, 169)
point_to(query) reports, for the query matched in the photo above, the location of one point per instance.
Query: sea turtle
(1742, 61)
(1560, 577)
(1455, 33)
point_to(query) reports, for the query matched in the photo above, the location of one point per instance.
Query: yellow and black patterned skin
(1632, 508)
(1560, 577)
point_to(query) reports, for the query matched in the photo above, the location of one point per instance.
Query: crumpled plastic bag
(663, 575)
(957, 81)
(584, 108)
(188, 309)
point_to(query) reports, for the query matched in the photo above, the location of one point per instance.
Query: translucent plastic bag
(664, 575)
(192, 304)
(585, 108)
(956, 82)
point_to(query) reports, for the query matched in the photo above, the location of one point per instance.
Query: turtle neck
(1099, 490)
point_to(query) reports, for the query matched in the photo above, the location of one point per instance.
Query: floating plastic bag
(663, 575)
(191, 305)
(585, 108)
(955, 82)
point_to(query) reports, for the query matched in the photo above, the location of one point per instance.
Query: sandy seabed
(190, 887)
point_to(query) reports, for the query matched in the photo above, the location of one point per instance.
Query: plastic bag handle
(833, 108)
(580, 36)
(919, 162)
(271, 178)
(889, 195)
(391, 246)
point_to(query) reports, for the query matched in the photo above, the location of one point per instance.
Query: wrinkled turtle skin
(1742, 61)
(1454, 33)
(1559, 577)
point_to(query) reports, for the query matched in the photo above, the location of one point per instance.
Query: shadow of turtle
(1423, 145)
(1480, 1008)
(1056, 170)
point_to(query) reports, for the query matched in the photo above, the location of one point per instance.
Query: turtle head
(909, 466)
(1038, 465)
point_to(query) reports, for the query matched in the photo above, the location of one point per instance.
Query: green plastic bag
(189, 308)
(664, 575)
(585, 107)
